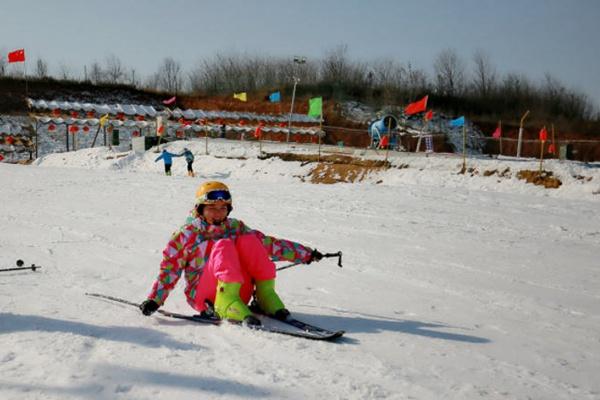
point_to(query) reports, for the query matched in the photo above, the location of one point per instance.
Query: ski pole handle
(338, 254)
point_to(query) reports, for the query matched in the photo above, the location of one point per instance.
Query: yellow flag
(240, 96)
(103, 120)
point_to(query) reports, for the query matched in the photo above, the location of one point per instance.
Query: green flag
(315, 107)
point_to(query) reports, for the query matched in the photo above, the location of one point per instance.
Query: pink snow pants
(242, 260)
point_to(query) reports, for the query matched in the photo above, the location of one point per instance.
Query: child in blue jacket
(168, 160)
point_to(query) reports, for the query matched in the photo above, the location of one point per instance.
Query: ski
(305, 331)
(296, 323)
(312, 329)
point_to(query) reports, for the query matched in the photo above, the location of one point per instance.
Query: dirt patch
(583, 178)
(471, 171)
(231, 157)
(335, 173)
(543, 178)
(335, 168)
(329, 159)
(504, 174)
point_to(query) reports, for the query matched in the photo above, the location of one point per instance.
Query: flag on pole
(429, 115)
(315, 107)
(275, 97)
(103, 120)
(16, 56)
(258, 131)
(543, 134)
(170, 101)
(460, 121)
(240, 96)
(417, 106)
(498, 132)
(160, 128)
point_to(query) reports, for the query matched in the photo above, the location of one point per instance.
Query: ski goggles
(216, 195)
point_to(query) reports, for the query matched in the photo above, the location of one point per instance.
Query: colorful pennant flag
(160, 128)
(275, 97)
(417, 106)
(429, 115)
(170, 101)
(498, 132)
(240, 96)
(315, 107)
(258, 131)
(16, 56)
(103, 120)
(543, 134)
(460, 121)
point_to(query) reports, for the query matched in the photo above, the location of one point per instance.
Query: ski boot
(268, 301)
(228, 304)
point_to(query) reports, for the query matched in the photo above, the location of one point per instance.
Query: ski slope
(453, 286)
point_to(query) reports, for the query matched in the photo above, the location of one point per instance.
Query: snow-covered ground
(453, 286)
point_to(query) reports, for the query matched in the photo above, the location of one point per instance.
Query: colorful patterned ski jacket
(189, 250)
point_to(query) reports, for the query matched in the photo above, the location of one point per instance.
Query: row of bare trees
(473, 87)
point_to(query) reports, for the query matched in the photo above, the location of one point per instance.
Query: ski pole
(20, 267)
(326, 255)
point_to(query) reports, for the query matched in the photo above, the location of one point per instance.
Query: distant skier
(224, 261)
(189, 158)
(167, 159)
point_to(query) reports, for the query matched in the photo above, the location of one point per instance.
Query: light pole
(297, 60)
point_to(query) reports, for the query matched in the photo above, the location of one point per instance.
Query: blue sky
(528, 36)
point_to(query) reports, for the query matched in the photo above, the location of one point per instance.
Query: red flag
(417, 106)
(551, 148)
(16, 56)
(429, 115)
(258, 131)
(384, 142)
(543, 134)
(1, 157)
(497, 133)
(170, 101)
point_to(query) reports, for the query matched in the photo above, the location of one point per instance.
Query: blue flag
(460, 121)
(275, 97)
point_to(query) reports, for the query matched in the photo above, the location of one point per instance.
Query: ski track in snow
(453, 287)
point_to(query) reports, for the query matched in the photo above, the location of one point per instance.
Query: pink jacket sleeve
(171, 267)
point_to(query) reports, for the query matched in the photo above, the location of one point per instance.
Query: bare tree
(96, 75)
(484, 74)
(337, 68)
(2, 63)
(416, 80)
(133, 78)
(115, 71)
(41, 68)
(449, 73)
(64, 71)
(170, 77)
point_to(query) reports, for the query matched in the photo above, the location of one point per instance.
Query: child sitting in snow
(224, 261)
